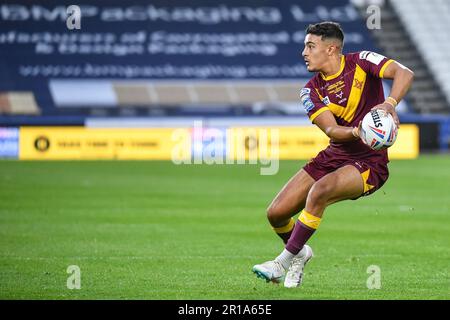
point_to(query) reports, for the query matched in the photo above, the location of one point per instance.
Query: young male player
(344, 89)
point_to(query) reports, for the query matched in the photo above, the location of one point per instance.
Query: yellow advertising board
(275, 142)
(304, 142)
(407, 144)
(79, 143)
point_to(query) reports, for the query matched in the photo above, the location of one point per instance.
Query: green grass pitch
(154, 230)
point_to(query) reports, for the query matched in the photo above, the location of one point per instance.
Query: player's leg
(344, 183)
(289, 201)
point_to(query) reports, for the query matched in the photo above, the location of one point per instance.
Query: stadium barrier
(434, 130)
(79, 143)
(235, 143)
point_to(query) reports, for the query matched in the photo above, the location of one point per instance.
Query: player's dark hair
(327, 30)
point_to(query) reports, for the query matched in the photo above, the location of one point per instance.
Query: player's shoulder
(364, 56)
(355, 57)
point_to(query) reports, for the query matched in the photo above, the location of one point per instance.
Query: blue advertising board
(9, 143)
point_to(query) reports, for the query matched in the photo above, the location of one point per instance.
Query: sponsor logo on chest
(336, 91)
(336, 87)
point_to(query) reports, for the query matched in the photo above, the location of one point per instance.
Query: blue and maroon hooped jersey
(349, 95)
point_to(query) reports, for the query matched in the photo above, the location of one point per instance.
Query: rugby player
(343, 90)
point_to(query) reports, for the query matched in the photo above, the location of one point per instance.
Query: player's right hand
(388, 108)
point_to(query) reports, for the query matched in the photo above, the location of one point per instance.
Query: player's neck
(332, 67)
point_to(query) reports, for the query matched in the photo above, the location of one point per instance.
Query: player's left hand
(356, 131)
(388, 108)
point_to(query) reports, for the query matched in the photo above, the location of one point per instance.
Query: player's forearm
(341, 133)
(403, 79)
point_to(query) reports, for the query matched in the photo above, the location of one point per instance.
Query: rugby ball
(378, 130)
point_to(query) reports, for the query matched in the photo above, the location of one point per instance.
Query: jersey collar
(334, 76)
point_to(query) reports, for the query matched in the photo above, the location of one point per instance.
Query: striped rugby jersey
(349, 95)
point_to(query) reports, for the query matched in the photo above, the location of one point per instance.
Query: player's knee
(320, 193)
(274, 214)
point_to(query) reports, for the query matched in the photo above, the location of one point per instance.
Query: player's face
(315, 52)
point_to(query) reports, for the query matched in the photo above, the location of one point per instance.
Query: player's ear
(331, 49)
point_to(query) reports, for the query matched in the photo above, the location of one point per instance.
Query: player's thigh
(341, 184)
(292, 197)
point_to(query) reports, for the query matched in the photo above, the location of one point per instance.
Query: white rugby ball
(378, 130)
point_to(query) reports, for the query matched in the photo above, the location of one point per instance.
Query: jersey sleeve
(373, 63)
(311, 101)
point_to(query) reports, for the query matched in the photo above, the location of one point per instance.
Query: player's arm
(327, 123)
(403, 78)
